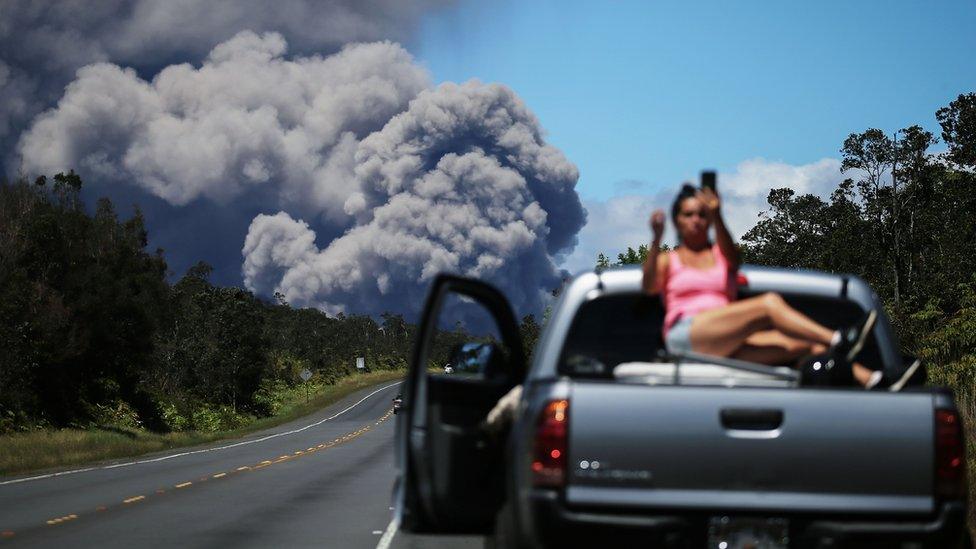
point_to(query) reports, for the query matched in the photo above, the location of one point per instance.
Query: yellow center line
(265, 463)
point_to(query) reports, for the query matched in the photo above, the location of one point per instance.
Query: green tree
(529, 330)
(628, 257)
(893, 175)
(632, 256)
(958, 121)
(873, 155)
(85, 300)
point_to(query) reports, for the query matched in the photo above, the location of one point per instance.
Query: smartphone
(708, 180)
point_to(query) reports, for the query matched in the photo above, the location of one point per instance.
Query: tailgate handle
(751, 419)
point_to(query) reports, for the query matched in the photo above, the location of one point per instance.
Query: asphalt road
(322, 481)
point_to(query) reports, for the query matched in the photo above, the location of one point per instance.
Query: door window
(467, 342)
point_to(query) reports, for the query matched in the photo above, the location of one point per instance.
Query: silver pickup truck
(616, 443)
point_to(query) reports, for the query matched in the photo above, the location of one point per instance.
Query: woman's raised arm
(722, 237)
(655, 266)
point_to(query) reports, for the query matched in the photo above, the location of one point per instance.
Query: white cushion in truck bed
(696, 373)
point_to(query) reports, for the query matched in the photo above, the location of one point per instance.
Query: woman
(697, 281)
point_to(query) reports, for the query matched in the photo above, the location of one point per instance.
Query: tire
(505, 535)
(967, 540)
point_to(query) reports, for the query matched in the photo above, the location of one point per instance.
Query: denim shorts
(678, 339)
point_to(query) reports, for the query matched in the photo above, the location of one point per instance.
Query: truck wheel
(504, 536)
(967, 540)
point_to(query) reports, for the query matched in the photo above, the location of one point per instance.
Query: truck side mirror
(474, 358)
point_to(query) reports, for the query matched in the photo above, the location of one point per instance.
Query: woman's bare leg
(774, 347)
(861, 373)
(722, 331)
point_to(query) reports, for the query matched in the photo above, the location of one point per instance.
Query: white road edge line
(236, 444)
(387, 538)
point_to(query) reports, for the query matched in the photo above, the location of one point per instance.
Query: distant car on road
(615, 443)
(397, 403)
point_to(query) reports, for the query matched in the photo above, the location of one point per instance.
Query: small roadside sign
(306, 375)
(360, 363)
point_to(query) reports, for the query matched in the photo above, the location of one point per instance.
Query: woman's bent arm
(653, 271)
(651, 284)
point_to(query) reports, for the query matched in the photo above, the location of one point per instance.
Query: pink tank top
(689, 291)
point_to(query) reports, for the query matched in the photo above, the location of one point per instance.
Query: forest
(92, 333)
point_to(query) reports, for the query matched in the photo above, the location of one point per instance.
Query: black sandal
(853, 337)
(883, 382)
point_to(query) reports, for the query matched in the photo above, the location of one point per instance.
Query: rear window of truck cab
(626, 327)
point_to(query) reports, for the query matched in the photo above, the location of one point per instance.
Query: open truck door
(450, 471)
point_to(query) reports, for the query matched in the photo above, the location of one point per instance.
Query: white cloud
(744, 191)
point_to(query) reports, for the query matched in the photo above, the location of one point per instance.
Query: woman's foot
(848, 342)
(880, 381)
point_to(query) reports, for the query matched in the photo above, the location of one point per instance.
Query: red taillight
(741, 280)
(549, 458)
(950, 457)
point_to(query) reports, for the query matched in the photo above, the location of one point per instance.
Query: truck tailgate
(743, 449)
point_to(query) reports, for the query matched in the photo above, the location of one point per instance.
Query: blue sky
(652, 92)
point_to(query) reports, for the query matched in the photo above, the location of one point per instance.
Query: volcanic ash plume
(461, 182)
(246, 118)
(413, 180)
(43, 42)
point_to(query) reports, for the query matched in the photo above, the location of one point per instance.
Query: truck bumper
(555, 525)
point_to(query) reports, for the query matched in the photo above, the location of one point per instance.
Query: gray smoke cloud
(246, 117)
(66, 34)
(43, 42)
(358, 180)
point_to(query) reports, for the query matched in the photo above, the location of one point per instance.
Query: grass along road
(53, 449)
